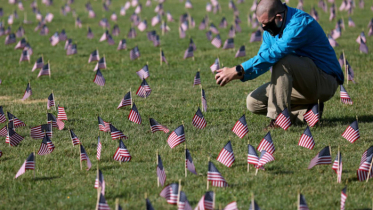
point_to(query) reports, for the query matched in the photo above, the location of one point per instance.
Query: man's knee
(252, 104)
(283, 62)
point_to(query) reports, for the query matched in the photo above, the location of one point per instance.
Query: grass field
(60, 184)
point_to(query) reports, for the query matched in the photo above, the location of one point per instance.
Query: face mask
(272, 28)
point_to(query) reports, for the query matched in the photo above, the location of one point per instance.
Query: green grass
(60, 183)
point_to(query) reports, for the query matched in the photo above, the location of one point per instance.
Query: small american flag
(363, 171)
(38, 64)
(29, 164)
(160, 171)
(122, 45)
(192, 44)
(206, 202)
(156, 19)
(232, 32)
(237, 26)
(104, 36)
(223, 23)
(116, 134)
(28, 92)
(100, 182)
(72, 49)
(302, 203)
(74, 138)
(306, 140)
(323, 157)
(336, 33)
(215, 66)
(351, 23)
(44, 30)
(151, 35)
(102, 125)
(21, 44)
(343, 198)
(46, 146)
(283, 119)
(197, 79)
(170, 193)
(25, 56)
(188, 53)
(132, 33)
(62, 35)
(312, 115)
(266, 144)
(134, 115)
(214, 176)
(2, 116)
(10, 39)
(115, 31)
(332, 41)
(202, 25)
(252, 157)
(198, 120)
(148, 205)
(37, 132)
(54, 39)
(144, 89)
(101, 64)
(183, 203)
(55, 122)
(122, 153)
(135, 53)
(102, 205)
(61, 113)
(15, 121)
(366, 154)
(240, 128)
(189, 164)
(226, 155)
(169, 17)
(143, 73)
(143, 25)
(352, 133)
(337, 166)
(84, 156)
(241, 52)
(213, 29)
(94, 56)
(45, 71)
(188, 4)
(99, 79)
(231, 206)
(99, 147)
(209, 36)
(256, 36)
(184, 25)
(176, 137)
(90, 33)
(265, 157)
(155, 126)
(20, 32)
(126, 101)
(228, 44)
(163, 58)
(50, 102)
(13, 138)
(363, 47)
(216, 41)
(68, 43)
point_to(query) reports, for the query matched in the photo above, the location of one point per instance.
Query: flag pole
(338, 167)
(298, 200)
(117, 204)
(370, 169)
(98, 179)
(201, 98)
(185, 160)
(49, 69)
(157, 166)
(213, 200)
(98, 197)
(248, 165)
(160, 56)
(178, 193)
(207, 175)
(256, 172)
(252, 201)
(330, 150)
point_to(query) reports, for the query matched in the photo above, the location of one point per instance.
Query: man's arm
(293, 37)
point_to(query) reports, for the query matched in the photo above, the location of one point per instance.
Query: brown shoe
(272, 125)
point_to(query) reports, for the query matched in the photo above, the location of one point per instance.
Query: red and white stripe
(265, 145)
(345, 98)
(161, 175)
(75, 140)
(122, 155)
(199, 122)
(61, 113)
(343, 200)
(216, 179)
(27, 165)
(226, 157)
(252, 159)
(306, 141)
(117, 135)
(231, 206)
(156, 128)
(283, 122)
(267, 157)
(351, 134)
(240, 130)
(99, 147)
(311, 118)
(174, 140)
(134, 117)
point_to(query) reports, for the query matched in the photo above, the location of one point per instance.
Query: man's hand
(226, 75)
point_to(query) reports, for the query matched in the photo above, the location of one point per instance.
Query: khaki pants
(296, 83)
